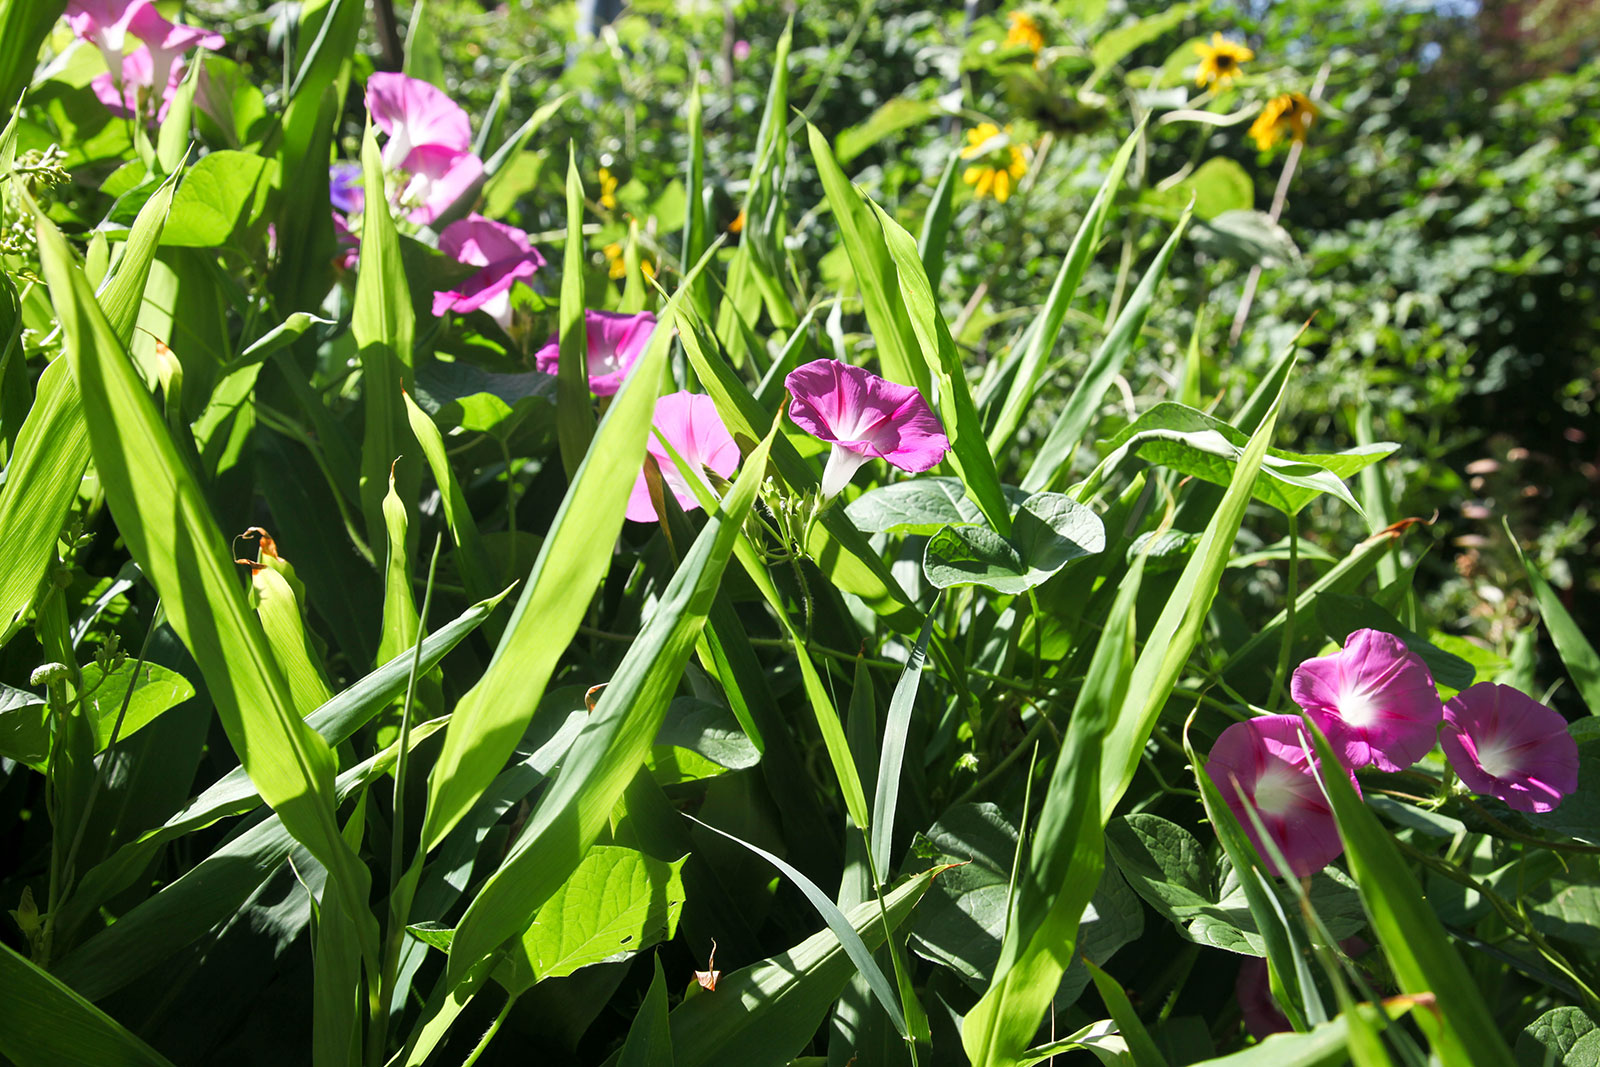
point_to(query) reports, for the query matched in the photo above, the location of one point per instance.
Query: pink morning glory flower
(863, 417)
(436, 176)
(167, 40)
(690, 421)
(105, 23)
(1374, 699)
(132, 93)
(1270, 760)
(1503, 743)
(504, 253)
(616, 342)
(413, 113)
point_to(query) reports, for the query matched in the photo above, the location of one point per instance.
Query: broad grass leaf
(45, 1023)
(578, 805)
(575, 424)
(896, 727)
(875, 273)
(649, 1041)
(935, 232)
(490, 718)
(24, 25)
(383, 325)
(235, 794)
(1577, 654)
(1462, 1029)
(165, 521)
(1084, 403)
(1043, 333)
(764, 1015)
(1324, 1045)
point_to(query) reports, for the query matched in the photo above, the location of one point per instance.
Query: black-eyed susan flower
(1220, 61)
(608, 189)
(617, 262)
(1289, 114)
(1023, 28)
(997, 163)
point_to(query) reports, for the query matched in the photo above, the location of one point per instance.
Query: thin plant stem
(1279, 197)
(488, 1035)
(1290, 590)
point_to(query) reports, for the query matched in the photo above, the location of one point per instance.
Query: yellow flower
(997, 162)
(617, 264)
(1024, 29)
(608, 189)
(1220, 60)
(737, 225)
(1290, 113)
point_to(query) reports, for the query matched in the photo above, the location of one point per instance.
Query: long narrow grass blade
(1084, 402)
(579, 802)
(43, 1023)
(1460, 1026)
(1042, 338)
(575, 424)
(936, 223)
(1577, 654)
(887, 795)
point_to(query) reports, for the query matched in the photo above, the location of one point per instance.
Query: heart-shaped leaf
(1050, 530)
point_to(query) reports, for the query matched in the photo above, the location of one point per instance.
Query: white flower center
(1496, 759)
(1357, 708)
(1277, 790)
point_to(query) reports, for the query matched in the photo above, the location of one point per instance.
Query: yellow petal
(985, 183)
(1002, 186)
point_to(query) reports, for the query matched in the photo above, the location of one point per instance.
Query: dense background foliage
(1441, 233)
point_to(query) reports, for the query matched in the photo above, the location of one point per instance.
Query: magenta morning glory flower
(863, 417)
(413, 113)
(1270, 761)
(1503, 743)
(131, 94)
(347, 243)
(616, 342)
(105, 23)
(167, 40)
(690, 421)
(1374, 699)
(436, 177)
(504, 253)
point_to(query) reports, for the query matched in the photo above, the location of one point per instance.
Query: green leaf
(575, 425)
(1550, 1037)
(1251, 237)
(164, 519)
(1218, 185)
(492, 716)
(41, 485)
(220, 194)
(1046, 329)
(708, 730)
(1050, 531)
(840, 924)
(1462, 1029)
(24, 25)
(897, 114)
(1081, 407)
(936, 223)
(1340, 616)
(1577, 654)
(616, 903)
(477, 573)
(579, 802)
(875, 271)
(919, 506)
(383, 325)
(968, 452)
(44, 1023)
(765, 1014)
(1111, 47)
(1140, 1045)
(887, 795)
(1324, 1045)
(649, 1041)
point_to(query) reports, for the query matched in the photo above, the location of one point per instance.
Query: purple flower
(344, 187)
(505, 255)
(1269, 760)
(864, 417)
(615, 344)
(413, 113)
(690, 421)
(436, 177)
(1253, 990)
(348, 243)
(1504, 743)
(1374, 699)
